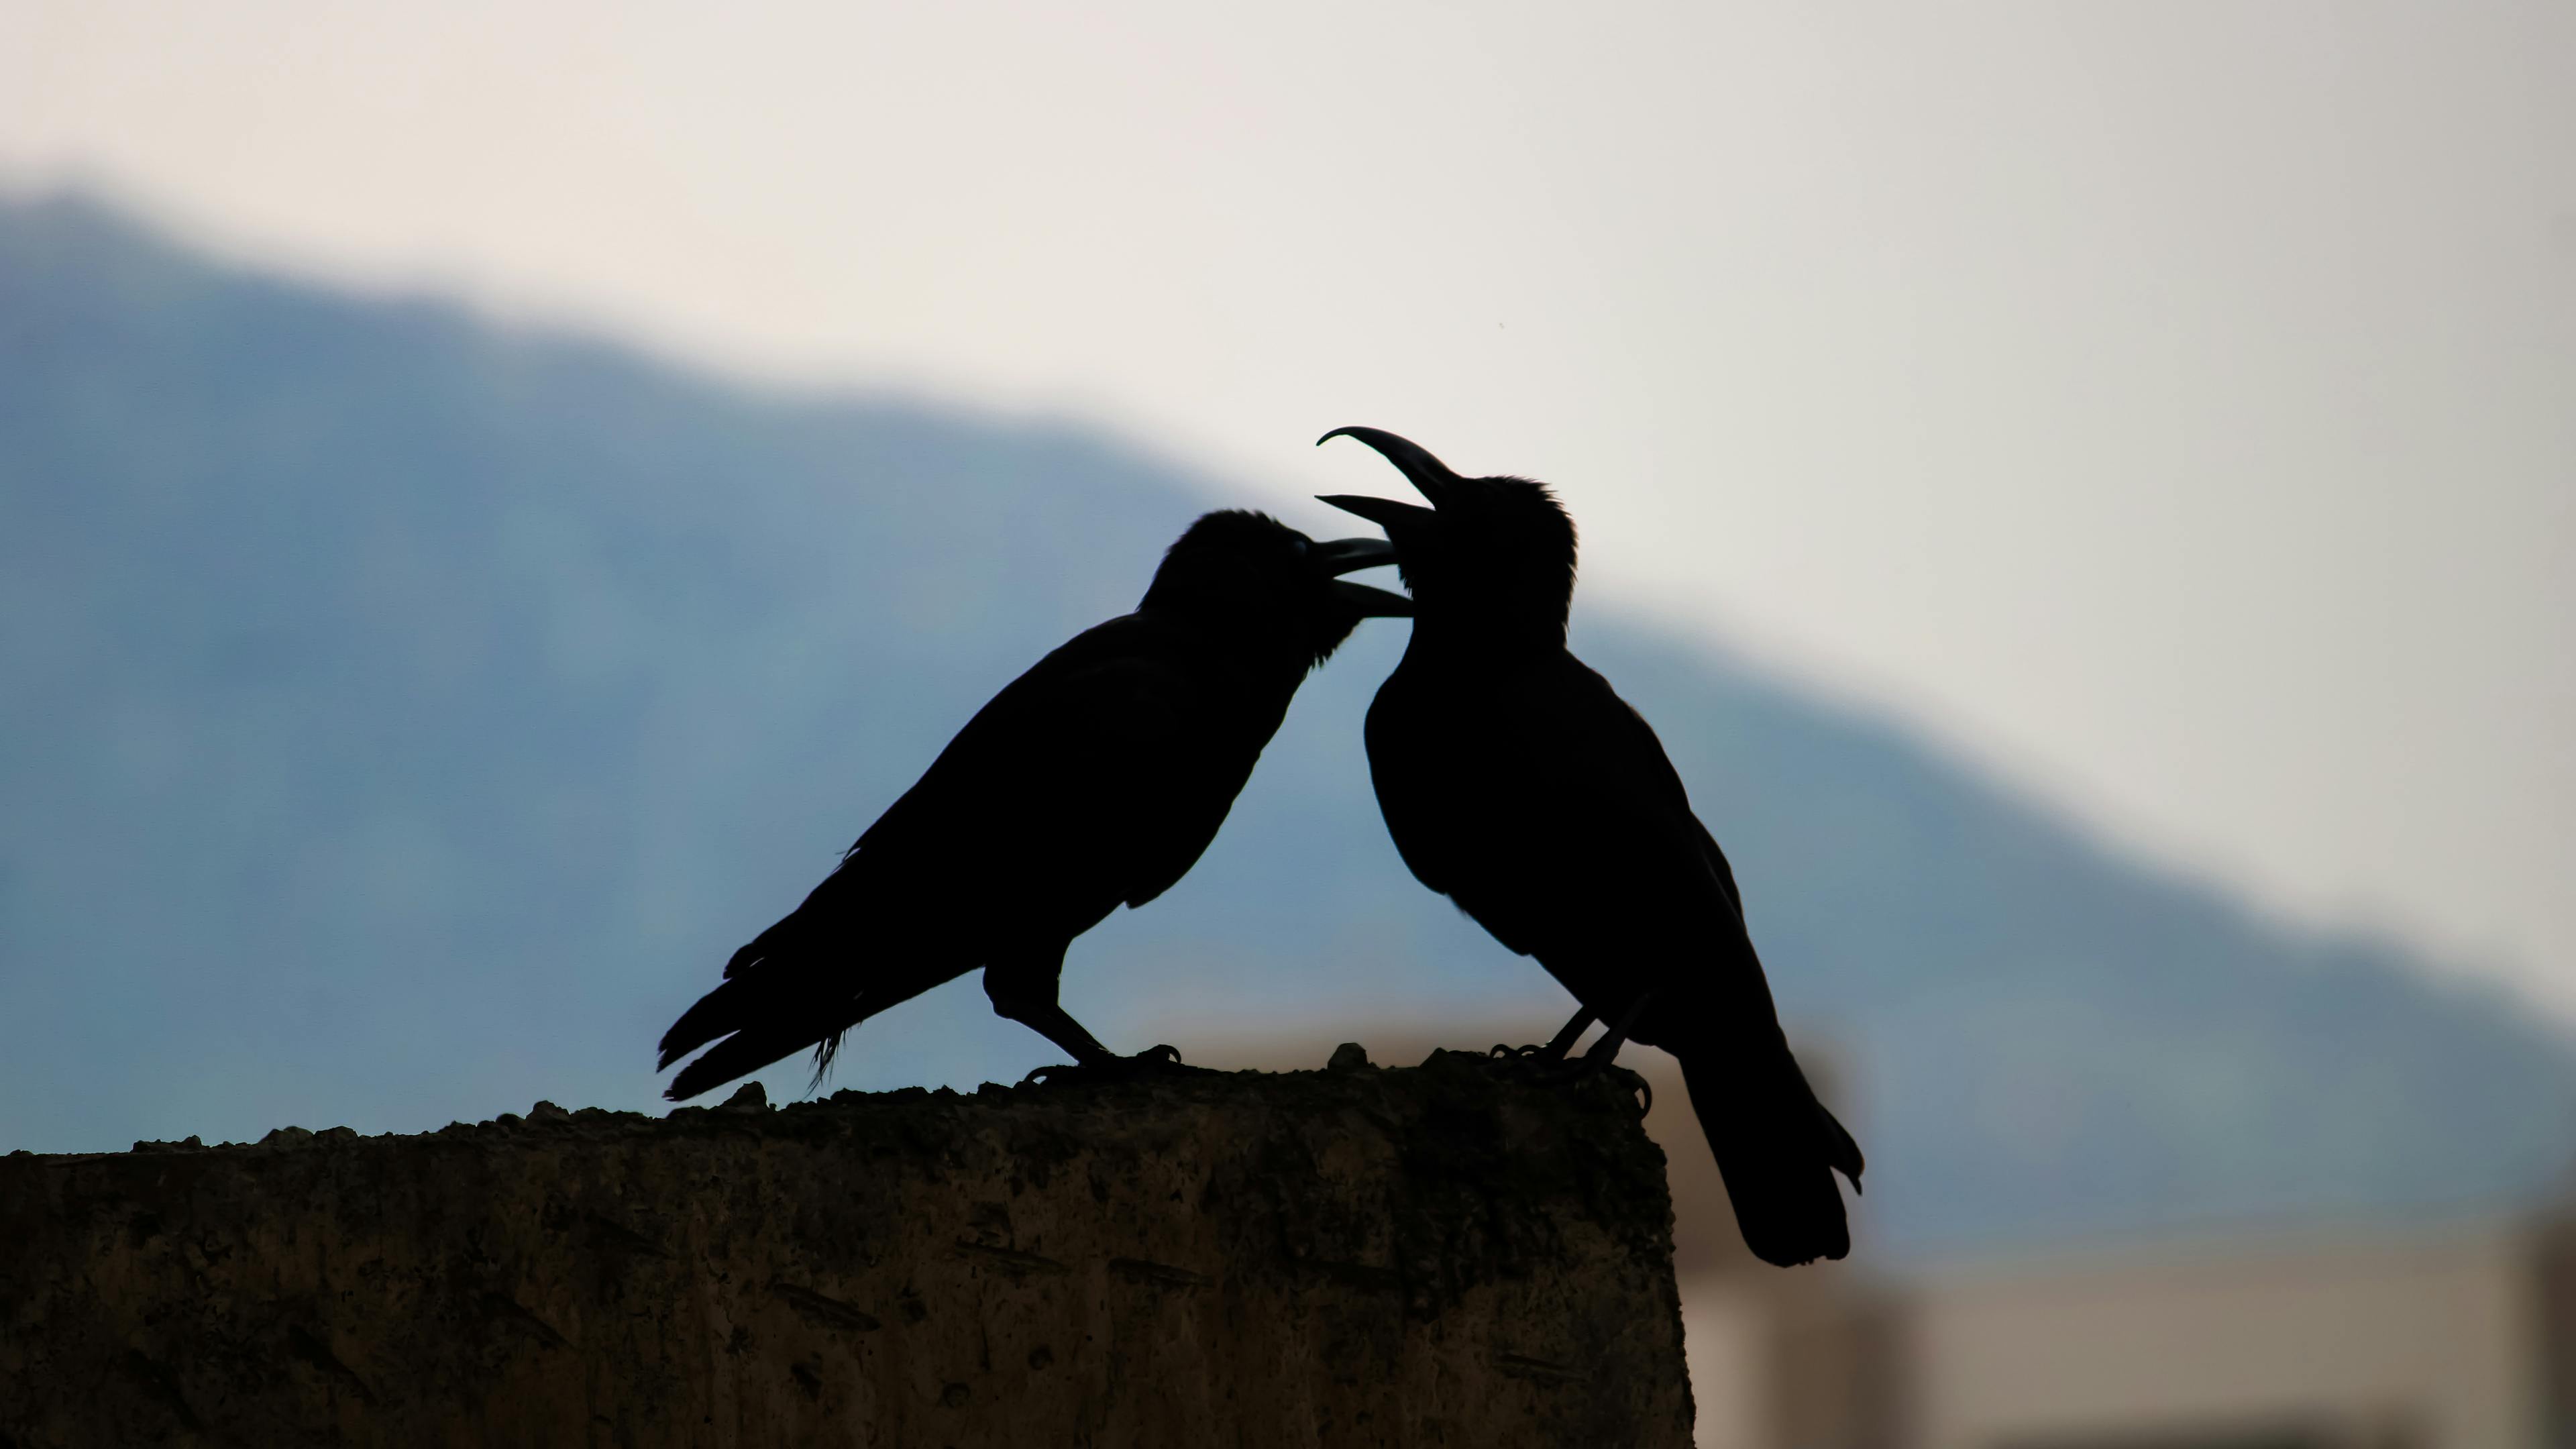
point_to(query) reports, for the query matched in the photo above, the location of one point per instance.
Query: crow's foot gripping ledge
(1155, 1062)
(1573, 1072)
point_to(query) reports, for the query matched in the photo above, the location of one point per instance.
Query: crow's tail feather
(716, 1013)
(1778, 1149)
(739, 1055)
(746, 991)
(772, 1002)
(830, 964)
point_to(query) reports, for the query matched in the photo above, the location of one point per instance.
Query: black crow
(1095, 778)
(1519, 785)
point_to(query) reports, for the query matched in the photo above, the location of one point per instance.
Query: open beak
(1427, 474)
(1386, 513)
(1372, 603)
(1350, 555)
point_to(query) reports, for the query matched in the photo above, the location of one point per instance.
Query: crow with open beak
(1518, 784)
(1097, 777)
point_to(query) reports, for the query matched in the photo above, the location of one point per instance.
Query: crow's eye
(1299, 546)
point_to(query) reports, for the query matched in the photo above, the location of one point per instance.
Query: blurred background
(494, 498)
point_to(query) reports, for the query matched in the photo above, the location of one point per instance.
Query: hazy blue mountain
(404, 717)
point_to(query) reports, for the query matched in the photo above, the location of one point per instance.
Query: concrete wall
(1447, 1255)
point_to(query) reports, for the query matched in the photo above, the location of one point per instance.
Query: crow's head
(1249, 572)
(1490, 558)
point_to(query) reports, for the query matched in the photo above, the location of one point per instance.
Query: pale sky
(2171, 406)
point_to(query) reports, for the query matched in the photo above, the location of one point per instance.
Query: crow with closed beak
(1097, 777)
(1518, 784)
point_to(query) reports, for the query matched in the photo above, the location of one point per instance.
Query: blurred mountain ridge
(407, 715)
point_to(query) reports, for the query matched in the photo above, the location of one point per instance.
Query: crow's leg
(1602, 1057)
(1606, 1050)
(1557, 1045)
(1023, 986)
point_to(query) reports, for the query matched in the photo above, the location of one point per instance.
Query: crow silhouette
(1517, 783)
(1097, 777)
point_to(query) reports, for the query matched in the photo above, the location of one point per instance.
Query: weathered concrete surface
(1450, 1254)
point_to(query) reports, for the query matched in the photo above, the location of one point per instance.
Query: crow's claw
(1556, 1069)
(1153, 1061)
(1634, 1082)
(1573, 1072)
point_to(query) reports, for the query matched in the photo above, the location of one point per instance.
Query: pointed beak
(1427, 474)
(1386, 513)
(1372, 603)
(1350, 555)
